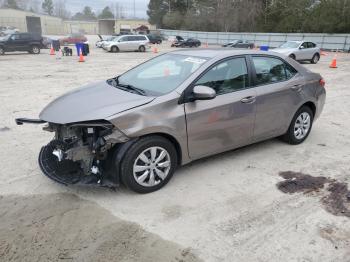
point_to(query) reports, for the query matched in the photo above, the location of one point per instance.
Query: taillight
(322, 82)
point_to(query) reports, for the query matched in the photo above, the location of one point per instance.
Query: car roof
(221, 52)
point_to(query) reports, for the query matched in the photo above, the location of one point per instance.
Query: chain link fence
(324, 41)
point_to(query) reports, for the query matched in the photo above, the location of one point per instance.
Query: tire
(315, 59)
(291, 136)
(114, 49)
(142, 49)
(35, 50)
(133, 157)
(2, 50)
(292, 56)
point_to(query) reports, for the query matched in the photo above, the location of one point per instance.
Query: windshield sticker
(194, 60)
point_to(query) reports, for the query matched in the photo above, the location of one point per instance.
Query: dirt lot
(224, 208)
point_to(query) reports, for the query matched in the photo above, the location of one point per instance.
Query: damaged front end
(80, 153)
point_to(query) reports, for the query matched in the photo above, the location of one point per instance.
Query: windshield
(162, 74)
(5, 37)
(290, 45)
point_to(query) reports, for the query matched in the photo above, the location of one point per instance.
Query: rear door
(313, 49)
(133, 42)
(306, 52)
(279, 91)
(227, 121)
(123, 44)
(15, 43)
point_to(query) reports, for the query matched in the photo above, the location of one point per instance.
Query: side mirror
(203, 93)
(301, 47)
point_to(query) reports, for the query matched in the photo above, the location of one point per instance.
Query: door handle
(248, 100)
(297, 87)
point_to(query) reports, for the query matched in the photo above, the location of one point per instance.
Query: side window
(226, 77)
(123, 39)
(272, 70)
(15, 37)
(311, 45)
(24, 36)
(141, 38)
(304, 45)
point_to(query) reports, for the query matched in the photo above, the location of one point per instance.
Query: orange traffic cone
(81, 57)
(334, 62)
(52, 51)
(155, 49)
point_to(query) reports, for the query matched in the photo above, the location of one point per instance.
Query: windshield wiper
(115, 82)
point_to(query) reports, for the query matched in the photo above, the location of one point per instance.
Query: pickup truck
(31, 43)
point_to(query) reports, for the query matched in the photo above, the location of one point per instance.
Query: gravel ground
(223, 208)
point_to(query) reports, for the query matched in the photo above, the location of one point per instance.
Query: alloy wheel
(35, 50)
(152, 166)
(302, 125)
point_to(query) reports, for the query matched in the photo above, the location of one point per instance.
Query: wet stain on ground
(336, 199)
(299, 182)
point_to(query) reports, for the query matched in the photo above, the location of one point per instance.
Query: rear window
(271, 70)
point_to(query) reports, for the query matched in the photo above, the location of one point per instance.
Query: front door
(227, 121)
(15, 43)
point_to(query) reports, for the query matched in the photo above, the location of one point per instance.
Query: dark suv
(21, 42)
(154, 39)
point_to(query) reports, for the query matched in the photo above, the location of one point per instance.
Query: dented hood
(92, 102)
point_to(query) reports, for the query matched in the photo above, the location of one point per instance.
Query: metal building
(31, 22)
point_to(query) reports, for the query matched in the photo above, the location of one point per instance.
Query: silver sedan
(137, 128)
(300, 51)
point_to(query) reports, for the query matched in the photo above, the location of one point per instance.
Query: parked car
(73, 39)
(31, 43)
(155, 39)
(175, 40)
(190, 42)
(300, 51)
(8, 30)
(102, 41)
(173, 109)
(239, 44)
(47, 42)
(127, 43)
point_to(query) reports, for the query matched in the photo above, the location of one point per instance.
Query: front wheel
(114, 49)
(142, 49)
(315, 59)
(300, 126)
(149, 164)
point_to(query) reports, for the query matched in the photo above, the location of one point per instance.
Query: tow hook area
(21, 121)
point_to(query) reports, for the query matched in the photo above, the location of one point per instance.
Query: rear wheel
(114, 49)
(142, 49)
(35, 50)
(300, 126)
(315, 59)
(149, 164)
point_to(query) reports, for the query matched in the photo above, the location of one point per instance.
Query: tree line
(290, 16)
(58, 8)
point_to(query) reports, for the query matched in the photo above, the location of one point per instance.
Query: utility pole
(134, 9)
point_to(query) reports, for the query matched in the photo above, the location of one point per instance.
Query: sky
(97, 5)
